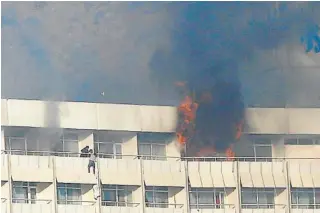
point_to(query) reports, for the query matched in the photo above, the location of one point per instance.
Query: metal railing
(76, 202)
(263, 206)
(163, 205)
(212, 206)
(305, 206)
(31, 201)
(122, 204)
(152, 157)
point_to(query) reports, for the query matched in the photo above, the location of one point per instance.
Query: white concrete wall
(75, 115)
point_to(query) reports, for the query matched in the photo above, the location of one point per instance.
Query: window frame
(260, 142)
(151, 140)
(117, 189)
(66, 187)
(28, 188)
(294, 193)
(156, 190)
(63, 140)
(315, 141)
(256, 192)
(215, 192)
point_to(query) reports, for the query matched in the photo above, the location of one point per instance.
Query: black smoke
(210, 40)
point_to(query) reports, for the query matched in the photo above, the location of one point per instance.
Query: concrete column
(3, 146)
(86, 139)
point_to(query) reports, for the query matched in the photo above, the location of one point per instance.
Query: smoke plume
(210, 43)
(241, 53)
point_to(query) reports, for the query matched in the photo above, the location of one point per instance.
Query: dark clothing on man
(84, 152)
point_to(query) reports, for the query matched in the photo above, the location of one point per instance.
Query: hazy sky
(77, 50)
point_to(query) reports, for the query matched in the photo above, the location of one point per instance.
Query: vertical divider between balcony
(143, 203)
(238, 187)
(99, 187)
(54, 182)
(288, 181)
(9, 182)
(187, 186)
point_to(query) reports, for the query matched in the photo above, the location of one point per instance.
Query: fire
(187, 110)
(186, 127)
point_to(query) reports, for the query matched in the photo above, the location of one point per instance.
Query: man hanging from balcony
(92, 161)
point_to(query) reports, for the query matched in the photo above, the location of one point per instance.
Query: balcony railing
(152, 157)
(31, 201)
(122, 204)
(305, 206)
(212, 206)
(163, 205)
(263, 206)
(76, 202)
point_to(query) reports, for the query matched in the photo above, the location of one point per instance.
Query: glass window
(305, 198)
(262, 149)
(18, 145)
(116, 195)
(152, 146)
(156, 197)
(257, 198)
(203, 198)
(68, 143)
(106, 147)
(301, 141)
(24, 192)
(69, 193)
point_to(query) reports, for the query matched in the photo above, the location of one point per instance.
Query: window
(305, 198)
(203, 198)
(68, 143)
(257, 198)
(156, 197)
(24, 192)
(262, 149)
(106, 147)
(17, 144)
(152, 146)
(302, 141)
(69, 193)
(116, 195)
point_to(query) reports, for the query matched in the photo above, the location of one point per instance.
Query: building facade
(139, 168)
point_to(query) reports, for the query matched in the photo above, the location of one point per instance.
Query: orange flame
(188, 109)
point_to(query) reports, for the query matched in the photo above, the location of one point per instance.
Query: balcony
(34, 206)
(263, 208)
(120, 207)
(263, 174)
(212, 173)
(120, 171)
(77, 206)
(164, 173)
(219, 208)
(78, 166)
(32, 167)
(164, 208)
